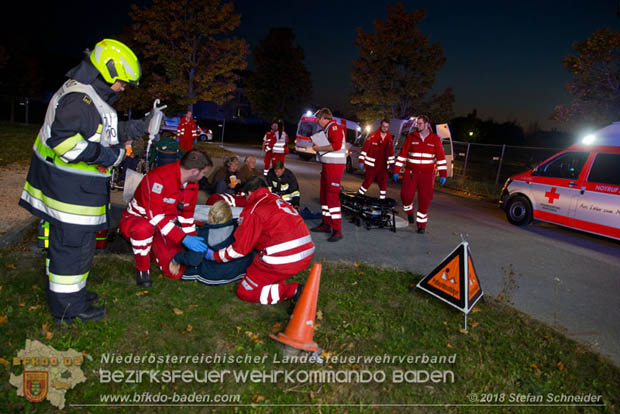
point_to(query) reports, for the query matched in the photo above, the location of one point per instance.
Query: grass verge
(363, 311)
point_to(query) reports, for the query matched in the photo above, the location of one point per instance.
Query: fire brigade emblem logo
(36, 385)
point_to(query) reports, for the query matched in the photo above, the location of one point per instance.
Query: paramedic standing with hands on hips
(420, 152)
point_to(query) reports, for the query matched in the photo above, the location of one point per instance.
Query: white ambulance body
(399, 129)
(577, 188)
(309, 126)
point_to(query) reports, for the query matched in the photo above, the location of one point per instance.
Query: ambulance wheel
(519, 211)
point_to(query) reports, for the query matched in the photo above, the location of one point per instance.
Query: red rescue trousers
(146, 241)
(267, 162)
(331, 174)
(382, 178)
(423, 183)
(264, 284)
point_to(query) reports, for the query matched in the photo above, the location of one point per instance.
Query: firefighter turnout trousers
(423, 183)
(69, 258)
(331, 174)
(382, 178)
(146, 241)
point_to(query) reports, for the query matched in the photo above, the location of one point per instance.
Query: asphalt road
(563, 277)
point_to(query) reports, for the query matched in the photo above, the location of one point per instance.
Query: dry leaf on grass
(22, 304)
(34, 308)
(188, 329)
(4, 319)
(319, 316)
(10, 266)
(476, 309)
(560, 366)
(142, 293)
(474, 324)
(536, 368)
(276, 327)
(4, 362)
(238, 328)
(464, 331)
(258, 398)
(254, 337)
(448, 346)
(177, 311)
(49, 335)
(192, 307)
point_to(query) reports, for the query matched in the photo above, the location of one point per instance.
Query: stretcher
(370, 211)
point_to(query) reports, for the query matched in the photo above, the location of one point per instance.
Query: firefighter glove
(110, 156)
(442, 180)
(195, 243)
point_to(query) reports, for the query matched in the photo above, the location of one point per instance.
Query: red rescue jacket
(377, 153)
(275, 229)
(421, 156)
(164, 202)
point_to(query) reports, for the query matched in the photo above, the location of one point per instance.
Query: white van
(399, 129)
(309, 126)
(577, 188)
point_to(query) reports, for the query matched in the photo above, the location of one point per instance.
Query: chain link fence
(482, 168)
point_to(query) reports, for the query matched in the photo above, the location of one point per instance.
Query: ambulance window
(351, 136)
(567, 165)
(447, 148)
(606, 169)
(307, 129)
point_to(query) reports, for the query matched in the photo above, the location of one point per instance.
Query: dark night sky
(503, 58)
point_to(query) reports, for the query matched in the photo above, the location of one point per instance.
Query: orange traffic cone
(299, 331)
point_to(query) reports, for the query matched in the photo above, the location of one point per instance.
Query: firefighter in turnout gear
(281, 181)
(159, 220)
(377, 156)
(420, 153)
(69, 177)
(333, 162)
(276, 230)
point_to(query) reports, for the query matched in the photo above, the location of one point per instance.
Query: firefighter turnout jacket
(285, 186)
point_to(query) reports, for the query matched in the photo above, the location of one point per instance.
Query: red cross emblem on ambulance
(552, 195)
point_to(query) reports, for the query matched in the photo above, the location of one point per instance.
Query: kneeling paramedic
(159, 220)
(276, 230)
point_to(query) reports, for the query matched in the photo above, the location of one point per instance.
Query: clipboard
(320, 139)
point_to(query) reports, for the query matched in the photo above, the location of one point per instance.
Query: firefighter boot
(294, 299)
(91, 296)
(92, 313)
(336, 235)
(322, 228)
(421, 230)
(410, 218)
(144, 279)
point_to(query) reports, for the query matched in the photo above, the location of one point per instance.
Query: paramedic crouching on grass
(275, 229)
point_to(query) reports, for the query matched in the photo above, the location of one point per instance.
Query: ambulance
(309, 126)
(577, 188)
(399, 129)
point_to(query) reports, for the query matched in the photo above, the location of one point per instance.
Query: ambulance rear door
(443, 132)
(555, 185)
(598, 201)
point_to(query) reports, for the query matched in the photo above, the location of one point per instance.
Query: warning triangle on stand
(455, 280)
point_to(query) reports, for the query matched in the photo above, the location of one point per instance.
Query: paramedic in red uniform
(333, 162)
(275, 229)
(159, 220)
(187, 134)
(377, 156)
(277, 145)
(420, 152)
(267, 140)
